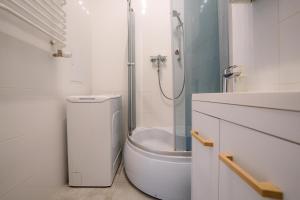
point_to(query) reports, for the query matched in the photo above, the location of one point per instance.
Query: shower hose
(162, 91)
(158, 70)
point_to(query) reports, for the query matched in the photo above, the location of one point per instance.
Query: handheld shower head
(176, 14)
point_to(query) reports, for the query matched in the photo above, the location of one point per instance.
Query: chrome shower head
(176, 14)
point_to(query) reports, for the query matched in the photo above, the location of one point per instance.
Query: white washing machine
(94, 135)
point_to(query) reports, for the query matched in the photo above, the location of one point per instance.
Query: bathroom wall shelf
(46, 16)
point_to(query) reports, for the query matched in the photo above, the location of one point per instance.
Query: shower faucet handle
(153, 59)
(157, 59)
(162, 59)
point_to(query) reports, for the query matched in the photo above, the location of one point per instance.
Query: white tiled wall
(265, 42)
(109, 49)
(33, 87)
(153, 37)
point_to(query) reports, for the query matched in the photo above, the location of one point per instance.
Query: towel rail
(51, 32)
(36, 18)
(59, 12)
(59, 19)
(60, 2)
(58, 7)
(60, 27)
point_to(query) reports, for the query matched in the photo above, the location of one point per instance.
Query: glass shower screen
(201, 63)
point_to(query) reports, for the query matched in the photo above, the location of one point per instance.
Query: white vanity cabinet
(256, 151)
(205, 144)
(260, 157)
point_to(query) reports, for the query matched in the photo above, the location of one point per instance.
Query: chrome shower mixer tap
(158, 59)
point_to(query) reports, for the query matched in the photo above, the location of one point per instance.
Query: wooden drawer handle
(265, 189)
(205, 142)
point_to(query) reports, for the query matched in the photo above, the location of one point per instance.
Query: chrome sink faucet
(229, 74)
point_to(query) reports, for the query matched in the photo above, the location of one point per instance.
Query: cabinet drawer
(264, 157)
(205, 150)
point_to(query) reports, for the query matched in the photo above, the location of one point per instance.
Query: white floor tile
(121, 189)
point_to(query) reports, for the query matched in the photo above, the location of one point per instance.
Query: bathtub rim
(164, 153)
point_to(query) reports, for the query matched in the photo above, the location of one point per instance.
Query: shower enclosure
(174, 49)
(198, 30)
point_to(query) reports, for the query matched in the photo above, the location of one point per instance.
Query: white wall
(265, 41)
(153, 37)
(109, 49)
(33, 87)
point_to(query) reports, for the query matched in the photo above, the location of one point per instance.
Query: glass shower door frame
(131, 71)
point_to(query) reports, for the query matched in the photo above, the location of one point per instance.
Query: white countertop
(274, 100)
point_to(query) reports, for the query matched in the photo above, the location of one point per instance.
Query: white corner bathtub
(154, 167)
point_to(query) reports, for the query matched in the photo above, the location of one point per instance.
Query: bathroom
(207, 92)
